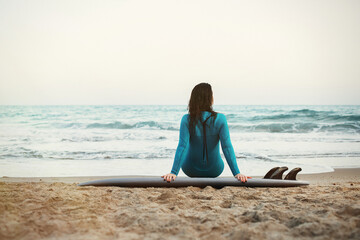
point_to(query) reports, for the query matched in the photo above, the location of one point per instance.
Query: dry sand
(56, 208)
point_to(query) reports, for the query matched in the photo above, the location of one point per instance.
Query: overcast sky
(154, 52)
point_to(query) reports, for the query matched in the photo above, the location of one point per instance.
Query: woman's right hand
(169, 177)
(242, 177)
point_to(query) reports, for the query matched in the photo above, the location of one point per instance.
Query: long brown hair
(201, 99)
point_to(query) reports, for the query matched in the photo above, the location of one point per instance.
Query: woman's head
(201, 99)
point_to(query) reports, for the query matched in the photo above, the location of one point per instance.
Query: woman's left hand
(242, 177)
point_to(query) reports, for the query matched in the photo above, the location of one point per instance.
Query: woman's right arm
(228, 150)
(183, 142)
(226, 145)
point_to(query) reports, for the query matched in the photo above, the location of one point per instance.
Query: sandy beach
(56, 208)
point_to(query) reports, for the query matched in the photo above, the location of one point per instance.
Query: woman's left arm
(179, 155)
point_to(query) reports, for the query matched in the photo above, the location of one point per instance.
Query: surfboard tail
(292, 174)
(279, 173)
(269, 173)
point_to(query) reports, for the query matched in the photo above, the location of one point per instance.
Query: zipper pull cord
(205, 151)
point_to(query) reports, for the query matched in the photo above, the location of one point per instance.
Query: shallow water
(142, 140)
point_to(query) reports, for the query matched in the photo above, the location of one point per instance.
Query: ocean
(59, 141)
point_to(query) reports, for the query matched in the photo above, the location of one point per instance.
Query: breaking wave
(297, 127)
(120, 125)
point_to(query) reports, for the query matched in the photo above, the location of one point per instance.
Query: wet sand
(56, 208)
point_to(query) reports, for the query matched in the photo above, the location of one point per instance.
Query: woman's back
(199, 157)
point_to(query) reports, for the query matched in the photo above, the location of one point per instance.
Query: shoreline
(338, 175)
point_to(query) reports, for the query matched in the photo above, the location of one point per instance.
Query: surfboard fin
(269, 173)
(278, 173)
(292, 174)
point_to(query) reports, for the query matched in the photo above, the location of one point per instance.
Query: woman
(200, 132)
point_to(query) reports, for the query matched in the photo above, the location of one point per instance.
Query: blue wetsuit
(190, 154)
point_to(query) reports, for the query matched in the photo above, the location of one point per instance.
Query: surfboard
(219, 182)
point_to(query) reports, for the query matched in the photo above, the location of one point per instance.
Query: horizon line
(266, 104)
